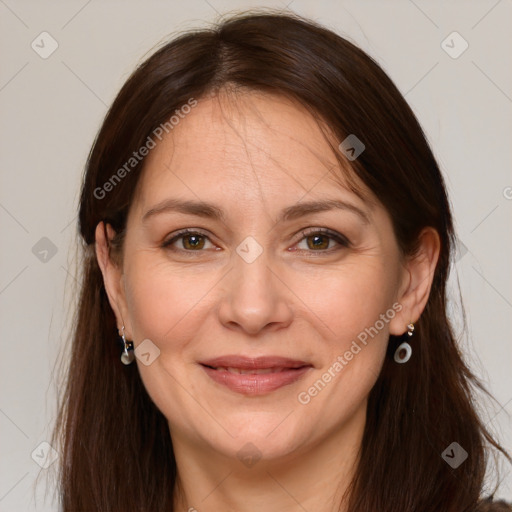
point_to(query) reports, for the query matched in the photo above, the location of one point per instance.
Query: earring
(404, 351)
(127, 356)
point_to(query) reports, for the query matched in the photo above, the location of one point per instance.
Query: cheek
(347, 300)
(162, 303)
(353, 312)
(165, 304)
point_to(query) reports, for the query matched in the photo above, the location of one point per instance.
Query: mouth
(255, 376)
(261, 371)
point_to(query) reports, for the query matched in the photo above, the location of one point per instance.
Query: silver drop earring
(404, 351)
(127, 357)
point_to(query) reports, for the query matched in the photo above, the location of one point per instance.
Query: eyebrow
(208, 210)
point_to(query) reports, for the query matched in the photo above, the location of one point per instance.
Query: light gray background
(52, 108)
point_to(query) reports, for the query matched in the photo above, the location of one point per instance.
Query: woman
(268, 232)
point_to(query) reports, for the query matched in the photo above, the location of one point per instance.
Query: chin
(270, 437)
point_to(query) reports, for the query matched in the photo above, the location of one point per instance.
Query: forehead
(247, 144)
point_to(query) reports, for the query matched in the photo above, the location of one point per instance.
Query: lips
(255, 376)
(253, 371)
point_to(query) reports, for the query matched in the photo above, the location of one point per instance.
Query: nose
(255, 297)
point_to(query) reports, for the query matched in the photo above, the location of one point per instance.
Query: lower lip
(256, 384)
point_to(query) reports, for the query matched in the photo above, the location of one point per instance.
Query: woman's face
(256, 285)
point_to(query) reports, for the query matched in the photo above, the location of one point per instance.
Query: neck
(312, 478)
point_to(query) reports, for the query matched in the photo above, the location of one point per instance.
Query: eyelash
(333, 235)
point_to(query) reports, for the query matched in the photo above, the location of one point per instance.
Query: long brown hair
(116, 450)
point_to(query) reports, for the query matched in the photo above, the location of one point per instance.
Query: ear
(418, 274)
(112, 277)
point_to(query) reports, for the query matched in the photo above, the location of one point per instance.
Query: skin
(253, 155)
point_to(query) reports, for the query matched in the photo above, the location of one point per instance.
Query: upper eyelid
(304, 232)
(187, 231)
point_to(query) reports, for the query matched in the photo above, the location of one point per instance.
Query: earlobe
(420, 268)
(110, 271)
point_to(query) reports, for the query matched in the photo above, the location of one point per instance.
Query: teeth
(250, 372)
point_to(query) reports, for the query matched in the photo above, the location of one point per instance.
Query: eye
(322, 240)
(191, 241)
(319, 240)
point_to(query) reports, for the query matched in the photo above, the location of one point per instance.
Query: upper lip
(254, 363)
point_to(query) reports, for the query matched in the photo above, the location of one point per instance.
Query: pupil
(317, 240)
(193, 241)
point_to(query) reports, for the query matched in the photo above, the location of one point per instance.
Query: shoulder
(489, 505)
